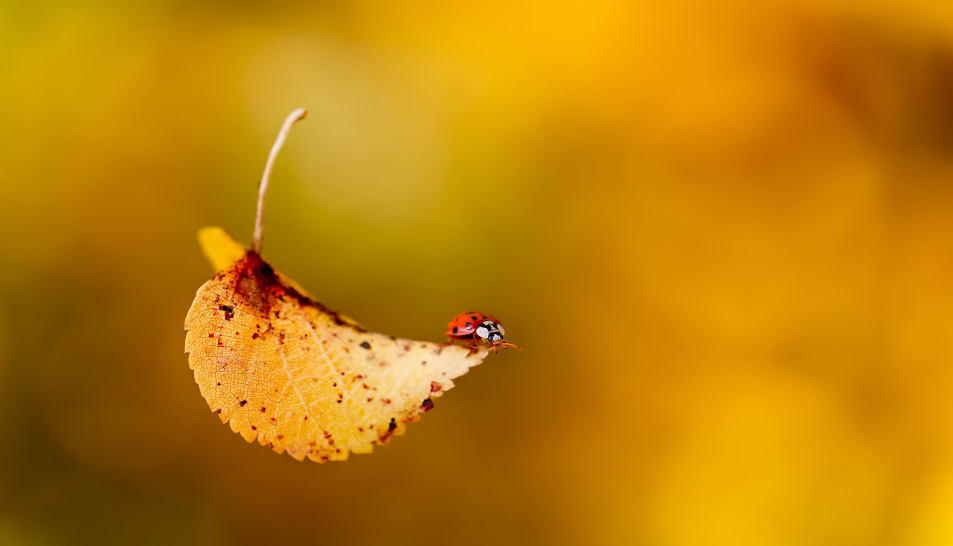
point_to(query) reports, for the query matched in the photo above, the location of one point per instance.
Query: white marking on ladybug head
(502, 331)
(483, 332)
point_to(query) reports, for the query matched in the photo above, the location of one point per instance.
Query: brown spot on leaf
(390, 431)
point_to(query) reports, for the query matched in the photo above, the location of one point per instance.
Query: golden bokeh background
(722, 232)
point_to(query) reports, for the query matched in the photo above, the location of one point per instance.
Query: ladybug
(476, 328)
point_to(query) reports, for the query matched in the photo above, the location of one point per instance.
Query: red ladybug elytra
(476, 327)
(464, 325)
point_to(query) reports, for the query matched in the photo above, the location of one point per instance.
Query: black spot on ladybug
(455, 329)
(469, 325)
(474, 317)
(366, 345)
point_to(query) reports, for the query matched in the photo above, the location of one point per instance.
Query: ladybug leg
(507, 344)
(473, 345)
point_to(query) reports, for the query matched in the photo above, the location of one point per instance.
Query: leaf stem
(297, 115)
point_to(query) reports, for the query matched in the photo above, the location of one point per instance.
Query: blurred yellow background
(722, 232)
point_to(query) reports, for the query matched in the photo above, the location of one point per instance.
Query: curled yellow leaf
(282, 369)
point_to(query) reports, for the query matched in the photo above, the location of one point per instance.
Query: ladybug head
(490, 331)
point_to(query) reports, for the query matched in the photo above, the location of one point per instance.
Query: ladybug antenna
(293, 117)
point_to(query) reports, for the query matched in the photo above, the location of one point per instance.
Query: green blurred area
(723, 234)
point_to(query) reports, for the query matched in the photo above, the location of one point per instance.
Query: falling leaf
(282, 368)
